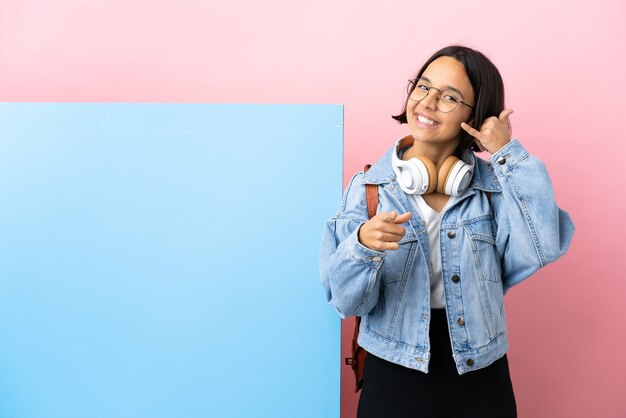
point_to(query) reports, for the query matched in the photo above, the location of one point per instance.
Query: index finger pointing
(400, 219)
(388, 216)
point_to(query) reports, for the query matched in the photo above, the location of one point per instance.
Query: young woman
(452, 234)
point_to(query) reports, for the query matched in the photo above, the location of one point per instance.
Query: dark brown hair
(486, 82)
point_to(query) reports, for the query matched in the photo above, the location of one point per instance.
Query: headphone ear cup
(444, 173)
(454, 176)
(432, 174)
(416, 175)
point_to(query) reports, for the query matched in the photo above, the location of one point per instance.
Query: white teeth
(425, 121)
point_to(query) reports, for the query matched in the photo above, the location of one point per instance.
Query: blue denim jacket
(488, 245)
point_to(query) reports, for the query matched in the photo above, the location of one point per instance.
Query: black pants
(393, 391)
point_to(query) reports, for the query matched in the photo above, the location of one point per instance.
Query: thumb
(400, 219)
(504, 115)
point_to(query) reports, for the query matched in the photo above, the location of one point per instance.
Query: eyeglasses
(447, 100)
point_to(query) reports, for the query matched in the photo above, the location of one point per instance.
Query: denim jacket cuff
(509, 156)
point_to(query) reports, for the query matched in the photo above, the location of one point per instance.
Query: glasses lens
(417, 89)
(448, 101)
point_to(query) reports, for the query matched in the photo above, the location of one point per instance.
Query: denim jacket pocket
(483, 243)
(397, 264)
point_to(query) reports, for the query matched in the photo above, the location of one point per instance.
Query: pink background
(564, 66)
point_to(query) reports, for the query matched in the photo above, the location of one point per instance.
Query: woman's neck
(437, 154)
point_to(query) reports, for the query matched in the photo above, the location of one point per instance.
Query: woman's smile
(425, 121)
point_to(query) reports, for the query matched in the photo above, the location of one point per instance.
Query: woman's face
(429, 125)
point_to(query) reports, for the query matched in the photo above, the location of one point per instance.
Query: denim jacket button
(456, 278)
(461, 321)
(377, 259)
(451, 234)
(470, 362)
(501, 160)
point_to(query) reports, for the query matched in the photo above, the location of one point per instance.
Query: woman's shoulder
(381, 171)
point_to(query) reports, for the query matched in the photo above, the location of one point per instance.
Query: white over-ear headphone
(418, 175)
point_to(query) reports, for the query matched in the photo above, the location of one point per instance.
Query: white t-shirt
(432, 221)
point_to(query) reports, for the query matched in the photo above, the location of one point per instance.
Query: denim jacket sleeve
(349, 270)
(531, 230)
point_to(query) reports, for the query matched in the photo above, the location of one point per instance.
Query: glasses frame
(438, 97)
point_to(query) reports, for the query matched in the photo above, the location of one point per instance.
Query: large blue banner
(161, 260)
